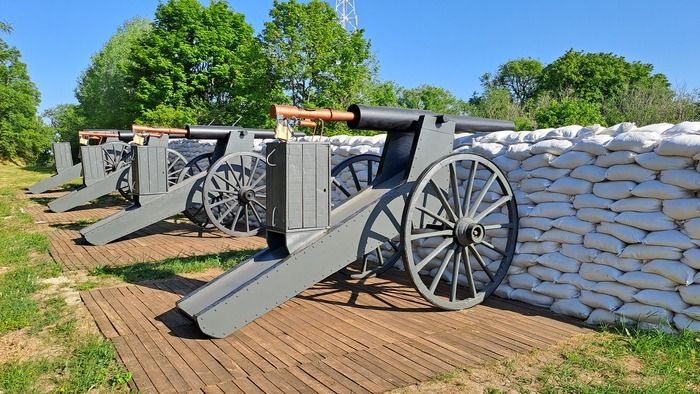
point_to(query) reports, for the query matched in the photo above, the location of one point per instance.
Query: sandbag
(691, 257)
(692, 312)
(524, 260)
(687, 179)
(596, 215)
(614, 190)
(506, 164)
(682, 209)
(645, 280)
(518, 152)
(650, 252)
(650, 221)
(579, 253)
(657, 162)
(531, 298)
(656, 128)
(645, 313)
(618, 128)
(601, 317)
(599, 273)
(552, 210)
(683, 322)
(518, 175)
(660, 190)
(573, 224)
(687, 145)
(576, 280)
(673, 270)
(572, 159)
(692, 228)
(636, 204)
(589, 173)
(503, 291)
(673, 238)
(665, 299)
(537, 247)
(684, 128)
(613, 158)
(553, 146)
(591, 201)
(556, 290)
(571, 307)
(549, 173)
(623, 292)
(544, 273)
(523, 281)
(629, 172)
(599, 300)
(537, 161)
(627, 234)
(603, 242)
(638, 142)
(543, 224)
(529, 235)
(622, 264)
(690, 294)
(488, 150)
(566, 132)
(540, 197)
(531, 185)
(561, 236)
(559, 262)
(570, 186)
(594, 145)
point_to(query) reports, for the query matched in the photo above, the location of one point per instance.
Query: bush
(567, 112)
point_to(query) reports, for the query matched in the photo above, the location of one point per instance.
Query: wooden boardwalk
(339, 336)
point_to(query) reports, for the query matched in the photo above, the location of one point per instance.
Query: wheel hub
(468, 232)
(246, 195)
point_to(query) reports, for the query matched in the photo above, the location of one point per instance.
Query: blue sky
(449, 43)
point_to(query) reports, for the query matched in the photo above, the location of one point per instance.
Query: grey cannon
(453, 213)
(66, 171)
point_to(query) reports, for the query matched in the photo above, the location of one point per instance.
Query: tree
(22, 135)
(200, 60)
(315, 61)
(65, 120)
(568, 111)
(520, 77)
(103, 92)
(432, 98)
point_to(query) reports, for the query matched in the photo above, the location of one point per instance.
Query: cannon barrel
(196, 132)
(158, 130)
(122, 135)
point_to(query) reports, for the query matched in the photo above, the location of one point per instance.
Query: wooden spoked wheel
(458, 238)
(195, 210)
(115, 155)
(234, 194)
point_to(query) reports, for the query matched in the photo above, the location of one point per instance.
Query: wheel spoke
(441, 233)
(233, 174)
(495, 249)
(226, 181)
(354, 177)
(222, 191)
(243, 182)
(247, 219)
(468, 272)
(455, 191)
(260, 178)
(252, 170)
(224, 201)
(230, 208)
(455, 277)
(443, 199)
(441, 270)
(481, 194)
(257, 215)
(436, 216)
(258, 203)
(369, 171)
(470, 186)
(342, 189)
(491, 208)
(235, 218)
(481, 262)
(447, 242)
(497, 226)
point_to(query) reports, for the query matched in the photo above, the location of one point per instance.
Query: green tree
(103, 93)
(314, 60)
(64, 121)
(568, 111)
(201, 60)
(432, 98)
(520, 77)
(22, 135)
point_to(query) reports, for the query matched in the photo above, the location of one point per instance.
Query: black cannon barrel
(125, 135)
(401, 119)
(195, 132)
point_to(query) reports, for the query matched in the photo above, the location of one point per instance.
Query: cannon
(66, 171)
(207, 187)
(457, 205)
(107, 168)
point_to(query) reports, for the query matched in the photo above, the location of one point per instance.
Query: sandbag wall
(610, 218)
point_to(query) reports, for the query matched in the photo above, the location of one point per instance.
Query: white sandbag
(618, 128)
(544, 273)
(623, 292)
(591, 201)
(524, 210)
(552, 210)
(636, 204)
(650, 221)
(561, 236)
(627, 234)
(687, 145)
(638, 142)
(524, 260)
(594, 145)
(603, 242)
(645, 280)
(556, 290)
(601, 317)
(513, 270)
(682, 322)
(599, 300)
(657, 128)
(554, 146)
(692, 228)
(518, 152)
(549, 173)
(657, 162)
(565, 132)
(665, 299)
(543, 224)
(572, 159)
(518, 175)
(503, 291)
(488, 150)
(589, 173)
(673, 270)
(596, 215)
(599, 273)
(686, 179)
(573, 224)
(570, 186)
(571, 307)
(672, 238)
(559, 262)
(691, 257)
(576, 280)
(645, 313)
(629, 172)
(660, 190)
(692, 312)
(506, 164)
(682, 209)
(622, 264)
(579, 253)
(523, 281)
(529, 235)
(520, 196)
(650, 252)
(537, 161)
(690, 294)
(531, 298)
(614, 190)
(614, 158)
(537, 247)
(697, 278)
(531, 185)
(540, 197)
(684, 128)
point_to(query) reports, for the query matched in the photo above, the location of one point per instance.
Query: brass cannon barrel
(217, 132)
(158, 130)
(122, 135)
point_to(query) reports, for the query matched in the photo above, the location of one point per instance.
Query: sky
(449, 43)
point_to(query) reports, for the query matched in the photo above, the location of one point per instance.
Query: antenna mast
(346, 14)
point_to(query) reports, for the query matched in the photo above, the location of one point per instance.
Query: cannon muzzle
(196, 132)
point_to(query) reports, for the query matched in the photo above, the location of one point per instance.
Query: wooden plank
(247, 386)
(100, 318)
(308, 380)
(341, 379)
(264, 384)
(139, 377)
(158, 378)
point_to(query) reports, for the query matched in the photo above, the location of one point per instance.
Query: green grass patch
(91, 365)
(21, 376)
(168, 268)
